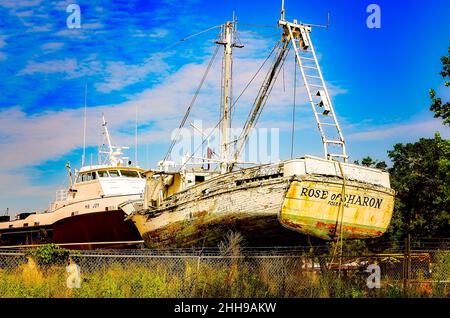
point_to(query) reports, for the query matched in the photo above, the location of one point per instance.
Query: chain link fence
(141, 273)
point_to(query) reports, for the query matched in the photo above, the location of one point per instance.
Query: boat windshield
(103, 174)
(88, 176)
(114, 173)
(129, 173)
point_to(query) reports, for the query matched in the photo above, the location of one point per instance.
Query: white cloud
(120, 75)
(15, 4)
(157, 33)
(401, 130)
(3, 56)
(68, 65)
(2, 41)
(51, 46)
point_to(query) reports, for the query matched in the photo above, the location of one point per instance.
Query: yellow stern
(312, 206)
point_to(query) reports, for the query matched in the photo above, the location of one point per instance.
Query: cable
(293, 108)
(201, 32)
(194, 98)
(341, 213)
(234, 103)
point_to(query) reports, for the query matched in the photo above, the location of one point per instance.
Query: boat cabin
(101, 181)
(162, 184)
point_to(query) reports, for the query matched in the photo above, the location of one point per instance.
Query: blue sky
(129, 55)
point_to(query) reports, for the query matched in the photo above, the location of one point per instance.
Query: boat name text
(335, 198)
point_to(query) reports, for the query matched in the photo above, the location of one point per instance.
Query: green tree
(440, 108)
(420, 175)
(369, 162)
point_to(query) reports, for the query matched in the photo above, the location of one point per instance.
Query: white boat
(86, 214)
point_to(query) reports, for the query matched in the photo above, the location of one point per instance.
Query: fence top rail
(90, 254)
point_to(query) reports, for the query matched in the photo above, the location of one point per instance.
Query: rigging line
(255, 117)
(259, 25)
(252, 116)
(263, 86)
(231, 91)
(293, 108)
(256, 74)
(340, 213)
(201, 32)
(83, 157)
(233, 104)
(222, 89)
(187, 38)
(194, 98)
(274, 82)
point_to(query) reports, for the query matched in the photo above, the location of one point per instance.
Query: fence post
(407, 264)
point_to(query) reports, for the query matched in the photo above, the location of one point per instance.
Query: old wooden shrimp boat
(270, 204)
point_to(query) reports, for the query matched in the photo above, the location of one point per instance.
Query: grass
(43, 274)
(175, 277)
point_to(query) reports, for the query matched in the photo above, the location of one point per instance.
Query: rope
(261, 99)
(198, 33)
(194, 98)
(340, 213)
(234, 103)
(293, 109)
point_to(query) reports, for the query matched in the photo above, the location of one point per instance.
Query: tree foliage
(421, 176)
(441, 109)
(369, 162)
(49, 254)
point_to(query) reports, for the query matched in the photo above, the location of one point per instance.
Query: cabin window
(102, 174)
(129, 174)
(25, 224)
(86, 177)
(114, 173)
(36, 223)
(199, 179)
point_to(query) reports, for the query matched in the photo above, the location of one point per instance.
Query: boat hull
(313, 206)
(267, 206)
(104, 229)
(203, 221)
(256, 231)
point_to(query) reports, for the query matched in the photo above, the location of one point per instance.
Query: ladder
(317, 92)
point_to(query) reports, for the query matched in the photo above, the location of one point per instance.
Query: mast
(83, 157)
(227, 43)
(136, 138)
(106, 134)
(113, 154)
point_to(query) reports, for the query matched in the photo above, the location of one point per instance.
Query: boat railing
(61, 195)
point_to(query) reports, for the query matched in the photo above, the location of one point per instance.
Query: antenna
(69, 172)
(308, 24)
(282, 10)
(83, 157)
(136, 138)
